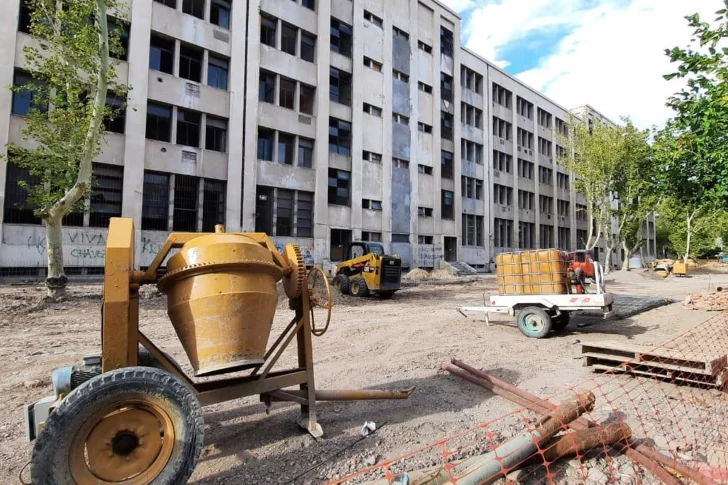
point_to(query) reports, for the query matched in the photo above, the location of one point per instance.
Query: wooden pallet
(664, 363)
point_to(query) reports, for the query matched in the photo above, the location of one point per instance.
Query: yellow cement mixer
(132, 415)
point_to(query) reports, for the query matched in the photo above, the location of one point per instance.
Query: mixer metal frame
(121, 336)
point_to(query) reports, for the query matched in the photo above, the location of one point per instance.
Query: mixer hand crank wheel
(319, 296)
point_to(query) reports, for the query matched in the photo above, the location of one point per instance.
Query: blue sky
(607, 53)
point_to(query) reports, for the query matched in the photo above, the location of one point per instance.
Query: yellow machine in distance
(367, 270)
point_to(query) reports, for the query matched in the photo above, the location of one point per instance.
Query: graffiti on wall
(306, 251)
(428, 254)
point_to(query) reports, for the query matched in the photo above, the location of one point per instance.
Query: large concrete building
(316, 121)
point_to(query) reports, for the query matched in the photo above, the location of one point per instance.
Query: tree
(704, 228)
(72, 74)
(692, 149)
(612, 165)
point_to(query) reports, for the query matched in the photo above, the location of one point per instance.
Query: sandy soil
(370, 344)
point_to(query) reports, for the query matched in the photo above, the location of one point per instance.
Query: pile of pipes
(708, 300)
(547, 442)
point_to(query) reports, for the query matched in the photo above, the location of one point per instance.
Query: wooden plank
(666, 356)
(635, 362)
(718, 383)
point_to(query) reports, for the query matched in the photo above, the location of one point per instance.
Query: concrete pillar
(414, 141)
(136, 116)
(357, 118)
(251, 59)
(456, 136)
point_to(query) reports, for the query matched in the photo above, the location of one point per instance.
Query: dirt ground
(370, 344)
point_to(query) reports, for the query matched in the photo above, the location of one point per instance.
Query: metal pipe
(355, 394)
(584, 440)
(638, 452)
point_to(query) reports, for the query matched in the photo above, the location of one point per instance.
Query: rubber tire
(386, 295)
(561, 322)
(341, 281)
(537, 312)
(360, 286)
(50, 459)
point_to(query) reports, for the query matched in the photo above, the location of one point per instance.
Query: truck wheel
(560, 322)
(534, 322)
(341, 282)
(136, 425)
(359, 287)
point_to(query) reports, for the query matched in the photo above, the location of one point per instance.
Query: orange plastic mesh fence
(652, 415)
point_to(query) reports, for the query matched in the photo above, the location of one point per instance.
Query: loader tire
(129, 425)
(341, 282)
(359, 287)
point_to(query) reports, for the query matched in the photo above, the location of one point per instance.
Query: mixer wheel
(129, 426)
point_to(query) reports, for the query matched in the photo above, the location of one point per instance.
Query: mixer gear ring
(293, 283)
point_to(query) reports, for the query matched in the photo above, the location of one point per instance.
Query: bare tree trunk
(608, 258)
(57, 280)
(689, 236)
(627, 256)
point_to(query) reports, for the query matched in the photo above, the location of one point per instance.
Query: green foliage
(65, 63)
(707, 225)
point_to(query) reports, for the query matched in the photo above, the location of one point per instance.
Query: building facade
(316, 121)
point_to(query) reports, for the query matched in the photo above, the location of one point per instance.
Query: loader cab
(359, 249)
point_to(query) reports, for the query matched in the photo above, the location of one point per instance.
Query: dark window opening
(446, 42)
(168, 3)
(268, 27)
(26, 99)
(305, 152)
(340, 239)
(306, 98)
(190, 63)
(216, 134)
(161, 54)
(116, 122)
(446, 125)
(122, 32)
(339, 183)
(446, 165)
(447, 207)
(220, 13)
(308, 46)
(446, 87)
(24, 16)
(213, 204)
(194, 7)
(264, 209)
(339, 137)
(286, 93)
(284, 212)
(285, 148)
(267, 87)
(106, 195)
(17, 208)
(217, 72)
(186, 192)
(188, 128)
(155, 201)
(340, 86)
(265, 144)
(159, 122)
(288, 38)
(304, 215)
(341, 37)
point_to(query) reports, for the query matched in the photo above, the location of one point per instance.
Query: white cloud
(612, 58)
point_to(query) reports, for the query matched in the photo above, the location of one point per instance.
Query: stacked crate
(538, 272)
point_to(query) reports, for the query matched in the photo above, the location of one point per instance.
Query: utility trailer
(539, 314)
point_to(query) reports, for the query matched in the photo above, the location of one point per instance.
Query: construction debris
(663, 362)
(707, 300)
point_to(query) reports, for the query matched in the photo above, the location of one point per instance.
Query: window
(424, 47)
(372, 64)
(400, 76)
(115, 123)
(526, 235)
(446, 87)
(524, 108)
(424, 128)
(547, 236)
(502, 96)
(194, 7)
(447, 204)
(545, 175)
(471, 80)
(502, 128)
(375, 205)
(526, 200)
(400, 238)
(304, 214)
(472, 188)
(159, 122)
(472, 230)
(217, 72)
(220, 13)
(560, 153)
(311, 4)
(446, 165)
(400, 163)
(306, 98)
(524, 138)
(188, 128)
(305, 152)
(161, 54)
(373, 19)
(289, 33)
(339, 187)
(340, 86)
(424, 211)
(525, 169)
(446, 125)
(155, 201)
(17, 208)
(372, 110)
(400, 33)
(546, 204)
(308, 46)
(286, 93)
(266, 87)
(580, 212)
(339, 137)
(190, 63)
(268, 27)
(341, 37)
(24, 15)
(285, 148)
(402, 120)
(562, 181)
(424, 169)
(502, 161)
(502, 233)
(425, 88)
(264, 197)
(470, 115)
(186, 192)
(502, 195)
(544, 147)
(265, 144)
(23, 100)
(562, 207)
(371, 236)
(562, 127)
(564, 238)
(213, 204)
(216, 134)
(446, 42)
(544, 118)
(284, 212)
(122, 31)
(471, 151)
(372, 157)
(168, 3)
(424, 239)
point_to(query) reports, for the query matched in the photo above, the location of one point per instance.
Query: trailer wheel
(561, 322)
(534, 322)
(341, 282)
(135, 425)
(359, 287)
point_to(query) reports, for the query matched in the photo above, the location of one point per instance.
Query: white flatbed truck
(539, 314)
